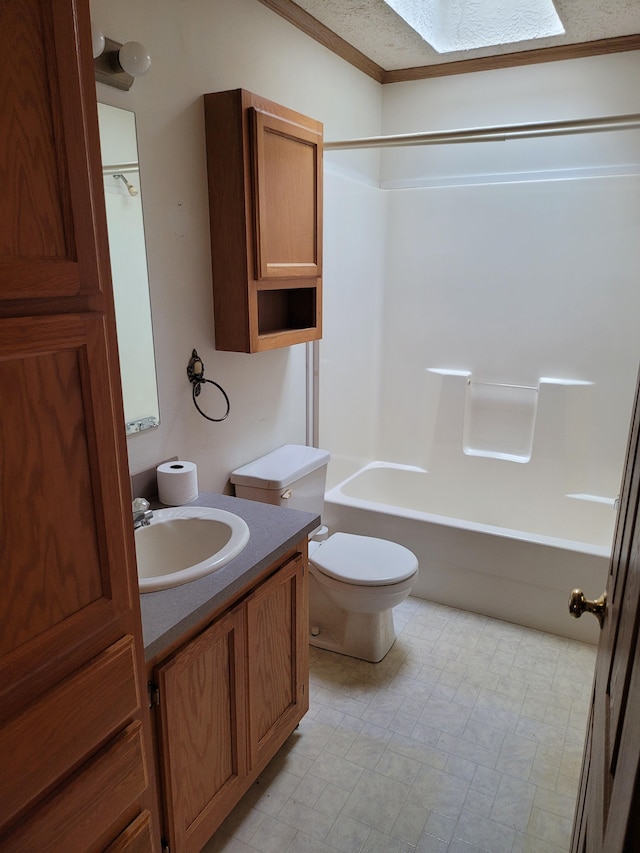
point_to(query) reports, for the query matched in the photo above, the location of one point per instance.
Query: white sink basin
(182, 544)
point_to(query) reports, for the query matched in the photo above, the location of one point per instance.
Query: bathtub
(494, 554)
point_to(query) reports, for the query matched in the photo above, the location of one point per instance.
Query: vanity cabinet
(227, 701)
(264, 165)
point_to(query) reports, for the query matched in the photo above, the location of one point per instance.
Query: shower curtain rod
(119, 168)
(492, 134)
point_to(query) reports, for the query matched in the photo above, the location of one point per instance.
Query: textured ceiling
(378, 33)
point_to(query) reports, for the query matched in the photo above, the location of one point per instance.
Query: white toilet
(355, 580)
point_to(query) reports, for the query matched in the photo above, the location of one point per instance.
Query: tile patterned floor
(466, 738)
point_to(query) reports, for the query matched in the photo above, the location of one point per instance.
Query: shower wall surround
(515, 282)
(512, 262)
(503, 320)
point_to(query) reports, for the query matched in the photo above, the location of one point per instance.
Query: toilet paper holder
(195, 372)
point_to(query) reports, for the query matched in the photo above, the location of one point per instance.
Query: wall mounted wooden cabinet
(228, 699)
(265, 200)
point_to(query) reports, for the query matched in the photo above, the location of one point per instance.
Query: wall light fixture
(118, 64)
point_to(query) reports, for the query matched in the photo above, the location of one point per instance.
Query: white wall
(200, 46)
(350, 350)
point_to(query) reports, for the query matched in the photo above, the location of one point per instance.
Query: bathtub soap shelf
(499, 420)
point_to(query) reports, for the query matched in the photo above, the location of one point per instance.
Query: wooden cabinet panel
(264, 166)
(33, 213)
(277, 659)
(288, 189)
(202, 713)
(49, 739)
(48, 529)
(137, 837)
(48, 245)
(63, 550)
(89, 810)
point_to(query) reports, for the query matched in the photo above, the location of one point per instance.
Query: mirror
(123, 198)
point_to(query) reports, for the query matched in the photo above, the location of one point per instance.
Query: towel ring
(195, 372)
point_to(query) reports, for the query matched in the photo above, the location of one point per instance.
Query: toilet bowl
(355, 581)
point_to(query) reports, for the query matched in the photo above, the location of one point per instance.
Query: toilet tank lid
(281, 467)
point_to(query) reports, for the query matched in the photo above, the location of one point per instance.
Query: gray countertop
(274, 530)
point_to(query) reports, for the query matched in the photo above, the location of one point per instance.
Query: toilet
(355, 581)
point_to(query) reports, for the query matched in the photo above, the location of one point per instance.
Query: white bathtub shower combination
(509, 510)
(481, 339)
(505, 515)
(484, 552)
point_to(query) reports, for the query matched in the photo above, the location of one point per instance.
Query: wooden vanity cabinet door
(277, 660)
(202, 723)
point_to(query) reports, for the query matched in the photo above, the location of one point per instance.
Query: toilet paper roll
(177, 482)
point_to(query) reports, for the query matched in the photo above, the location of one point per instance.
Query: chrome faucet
(142, 515)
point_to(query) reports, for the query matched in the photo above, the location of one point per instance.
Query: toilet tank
(293, 476)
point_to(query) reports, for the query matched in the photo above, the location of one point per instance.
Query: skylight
(452, 25)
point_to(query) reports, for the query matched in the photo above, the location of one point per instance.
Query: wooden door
(202, 732)
(73, 716)
(277, 660)
(608, 809)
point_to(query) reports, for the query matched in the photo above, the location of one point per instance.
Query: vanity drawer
(137, 837)
(51, 737)
(86, 812)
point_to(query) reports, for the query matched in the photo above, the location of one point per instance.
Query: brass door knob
(578, 605)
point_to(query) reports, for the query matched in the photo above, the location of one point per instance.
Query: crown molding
(301, 19)
(515, 59)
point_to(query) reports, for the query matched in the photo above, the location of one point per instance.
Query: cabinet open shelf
(287, 310)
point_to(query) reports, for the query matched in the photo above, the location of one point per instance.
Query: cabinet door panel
(48, 246)
(277, 656)
(86, 812)
(63, 538)
(202, 717)
(288, 188)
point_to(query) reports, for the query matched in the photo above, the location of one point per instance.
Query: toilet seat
(364, 560)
